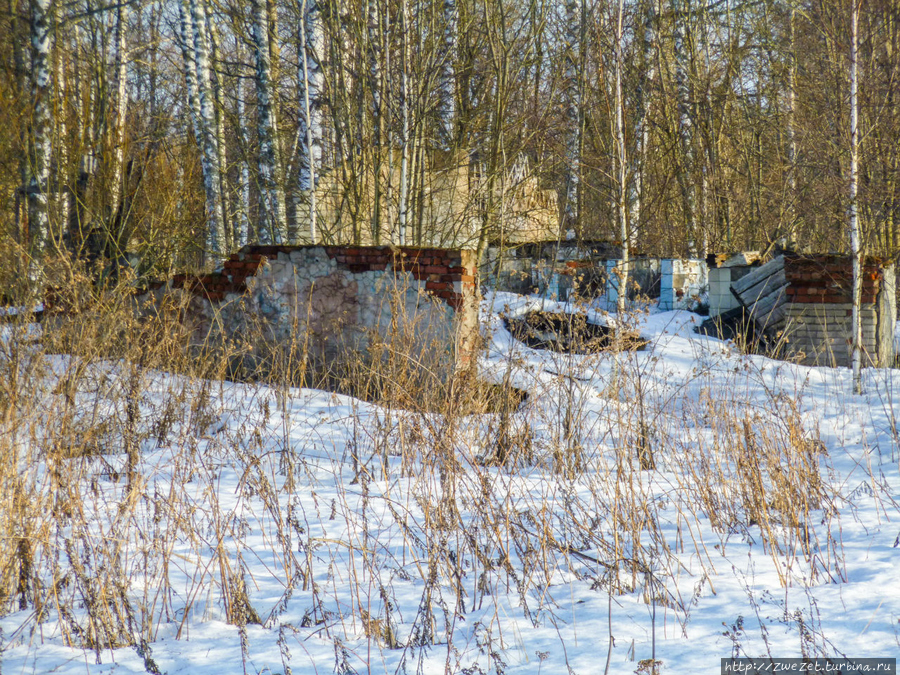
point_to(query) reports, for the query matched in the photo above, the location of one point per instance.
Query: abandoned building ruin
(803, 305)
(344, 298)
(337, 300)
(453, 202)
(564, 270)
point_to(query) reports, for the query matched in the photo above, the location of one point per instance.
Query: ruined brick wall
(342, 298)
(817, 327)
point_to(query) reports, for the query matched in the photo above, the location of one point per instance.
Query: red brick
(436, 286)
(436, 269)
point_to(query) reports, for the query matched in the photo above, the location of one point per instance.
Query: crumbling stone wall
(337, 298)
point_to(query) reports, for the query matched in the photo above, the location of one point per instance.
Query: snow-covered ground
(345, 537)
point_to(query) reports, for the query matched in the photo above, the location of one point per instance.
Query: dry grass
(492, 493)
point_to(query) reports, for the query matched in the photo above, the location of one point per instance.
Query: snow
(326, 510)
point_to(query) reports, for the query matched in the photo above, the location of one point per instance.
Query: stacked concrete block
(817, 326)
(720, 296)
(681, 281)
(820, 334)
(804, 303)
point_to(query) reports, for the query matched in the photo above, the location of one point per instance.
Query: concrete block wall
(819, 334)
(721, 298)
(818, 312)
(342, 297)
(681, 280)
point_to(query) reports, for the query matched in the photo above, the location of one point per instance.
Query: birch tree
(117, 186)
(447, 102)
(62, 149)
(310, 84)
(574, 113)
(40, 137)
(375, 87)
(622, 163)
(190, 68)
(215, 236)
(685, 123)
(403, 205)
(242, 212)
(218, 129)
(853, 209)
(641, 125)
(272, 224)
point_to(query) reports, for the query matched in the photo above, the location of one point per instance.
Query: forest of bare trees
(171, 133)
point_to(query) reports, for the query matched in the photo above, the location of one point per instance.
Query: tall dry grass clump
(138, 485)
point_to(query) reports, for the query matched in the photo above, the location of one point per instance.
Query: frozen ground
(343, 537)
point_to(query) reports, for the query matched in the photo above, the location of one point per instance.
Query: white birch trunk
(403, 206)
(448, 73)
(39, 166)
(272, 226)
(641, 127)
(624, 234)
(573, 77)
(221, 158)
(243, 210)
(186, 31)
(62, 147)
(685, 124)
(118, 173)
(855, 253)
(311, 117)
(215, 235)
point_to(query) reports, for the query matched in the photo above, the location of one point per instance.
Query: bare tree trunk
(22, 91)
(39, 164)
(243, 210)
(791, 122)
(117, 185)
(376, 89)
(624, 234)
(272, 226)
(403, 207)
(215, 235)
(190, 68)
(574, 77)
(62, 144)
(448, 73)
(242, 197)
(641, 127)
(854, 206)
(310, 119)
(685, 125)
(221, 146)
